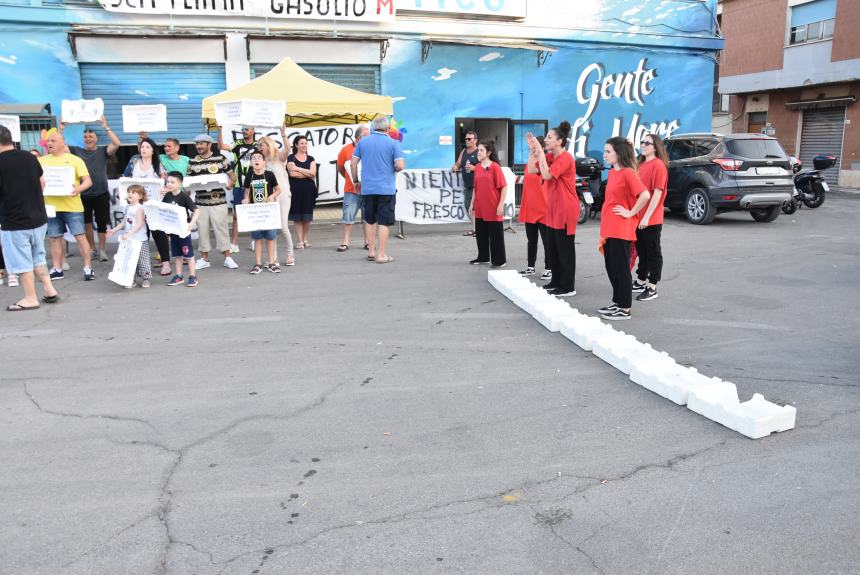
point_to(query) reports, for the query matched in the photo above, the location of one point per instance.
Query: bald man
(70, 209)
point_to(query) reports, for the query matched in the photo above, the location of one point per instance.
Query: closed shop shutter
(363, 77)
(181, 87)
(822, 133)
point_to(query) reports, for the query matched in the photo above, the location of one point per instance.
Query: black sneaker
(501, 265)
(648, 293)
(616, 314)
(608, 309)
(477, 262)
(560, 292)
(528, 272)
(638, 287)
(546, 275)
(549, 286)
(89, 275)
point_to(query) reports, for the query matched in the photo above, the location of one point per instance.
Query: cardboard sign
(169, 218)
(14, 125)
(205, 182)
(153, 187)
(82, 111)
(248, 112)
(125, 262)
(228, 113)
(148, 118)
(59, 180)
(253, 217)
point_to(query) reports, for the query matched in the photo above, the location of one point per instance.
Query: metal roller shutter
(363, 77)
(181, 87)
(822, 133)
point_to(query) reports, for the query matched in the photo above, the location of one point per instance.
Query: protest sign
(228, 113)
(147, 118)
(82, 111)
(14, 125)
(153, 187)
(264, 113)
(51, 211)
(253, 217)
(59, 180)
(169, 218)
(125, 262)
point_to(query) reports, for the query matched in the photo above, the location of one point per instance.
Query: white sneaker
(202, 264)
(229, 263)
(65, 266)
(234, 248)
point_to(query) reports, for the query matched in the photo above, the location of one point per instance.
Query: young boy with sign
(181, 248)
(261, 186)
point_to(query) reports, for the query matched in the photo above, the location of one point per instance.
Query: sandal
(469, 233)
(367, 246)
(274, 268)
(371, 258)
(385, 260)
(51, 298)
(290, 262)
(19, 307)
(256, 269)
(342, 247)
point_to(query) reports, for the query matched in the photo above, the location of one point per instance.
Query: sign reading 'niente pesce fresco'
(355, 10)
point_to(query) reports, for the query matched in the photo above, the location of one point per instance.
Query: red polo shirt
(622, 189)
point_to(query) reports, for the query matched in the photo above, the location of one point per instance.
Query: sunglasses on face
(469, 138)
(646, 143)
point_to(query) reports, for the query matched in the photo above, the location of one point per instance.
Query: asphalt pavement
(356, 418)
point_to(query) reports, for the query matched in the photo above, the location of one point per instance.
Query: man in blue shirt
(381, 159)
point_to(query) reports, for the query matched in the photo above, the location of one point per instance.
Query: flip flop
(162, 273)
(51, 298)
(342, 247)
(386, 260)
(371, 258)
(17, 307)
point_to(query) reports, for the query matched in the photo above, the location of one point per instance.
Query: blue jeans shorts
(73, 220)
(24, 250)
(351, 204)
(238, 196)
(264, 234)
(181, 247)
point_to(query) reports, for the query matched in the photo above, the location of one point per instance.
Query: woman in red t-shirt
(562, 207)
(488, 207)
(533, 214)
(625, 196)
(654, 173)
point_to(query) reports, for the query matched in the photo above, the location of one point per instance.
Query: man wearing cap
(212, 203)
(241, 150)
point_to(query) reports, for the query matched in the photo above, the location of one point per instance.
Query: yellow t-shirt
(66, 203)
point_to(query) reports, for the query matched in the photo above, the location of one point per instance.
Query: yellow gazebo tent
(310, 101)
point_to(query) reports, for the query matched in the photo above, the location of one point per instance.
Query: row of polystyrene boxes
(656, 371)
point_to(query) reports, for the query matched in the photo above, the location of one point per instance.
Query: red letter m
(380, 4)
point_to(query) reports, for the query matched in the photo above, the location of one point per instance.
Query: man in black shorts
(96, 200)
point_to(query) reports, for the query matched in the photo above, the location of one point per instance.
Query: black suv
(713, 173)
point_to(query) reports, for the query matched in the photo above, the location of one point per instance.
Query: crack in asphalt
(828, 419)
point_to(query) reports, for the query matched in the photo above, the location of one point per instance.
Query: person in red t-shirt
(654, 173)
(562, 206)
(624, 198)
(351, 198)
(533, 215)
(488, 207)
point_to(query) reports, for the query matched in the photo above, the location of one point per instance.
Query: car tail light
(730, 198)
(728, 164)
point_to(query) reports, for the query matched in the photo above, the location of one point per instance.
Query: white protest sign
(82, 111)
(14, 125)
(169, 218)
(153, 187)
(147, 118)
(430, 197)
(254, 217)
(59, 180)
(125, 262)
(228, 113)
(51, 211)
(263, 113)
(510, 193)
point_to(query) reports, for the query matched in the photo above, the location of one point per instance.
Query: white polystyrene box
(666, 378)
(616, 349)
(583, 331)
(755, 418)
(552, 317)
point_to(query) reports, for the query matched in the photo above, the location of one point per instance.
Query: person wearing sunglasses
(466, 162)
(654, 173)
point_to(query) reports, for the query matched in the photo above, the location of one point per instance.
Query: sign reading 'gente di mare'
(355, 10)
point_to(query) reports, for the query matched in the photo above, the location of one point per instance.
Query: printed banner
(125, 262)
(82, 111)
(59, 180)
(344, 10)
(253, 217)
(148, 118)
(438, 197)
(14, 125)
(248, 112)
(169, 218)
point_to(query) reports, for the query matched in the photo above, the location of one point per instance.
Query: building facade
(501, 67)
(793, 70)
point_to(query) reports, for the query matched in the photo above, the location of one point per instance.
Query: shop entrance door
(507, 134)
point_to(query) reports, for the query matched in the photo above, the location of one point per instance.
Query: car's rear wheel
(765, 214)
(699, 208)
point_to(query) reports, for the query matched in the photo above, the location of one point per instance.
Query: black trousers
(650, 254)
(532, 233)
(490, 237)
(162, 243)
(562, 257)
(616, 256)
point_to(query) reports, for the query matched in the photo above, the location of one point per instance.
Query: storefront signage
(499, 8)
(352, 10)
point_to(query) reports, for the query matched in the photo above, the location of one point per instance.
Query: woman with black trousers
(533, 215)
(654, 173)
(558, 169)
(488, 207)
(625, 196)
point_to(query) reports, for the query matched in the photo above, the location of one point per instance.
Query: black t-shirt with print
(181, 199)
(261, 185)
(22, 206)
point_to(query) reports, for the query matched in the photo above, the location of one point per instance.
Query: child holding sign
(134, 224)
(261, 186)
(181, 248)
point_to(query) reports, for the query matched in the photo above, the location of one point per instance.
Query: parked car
(714, 173)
